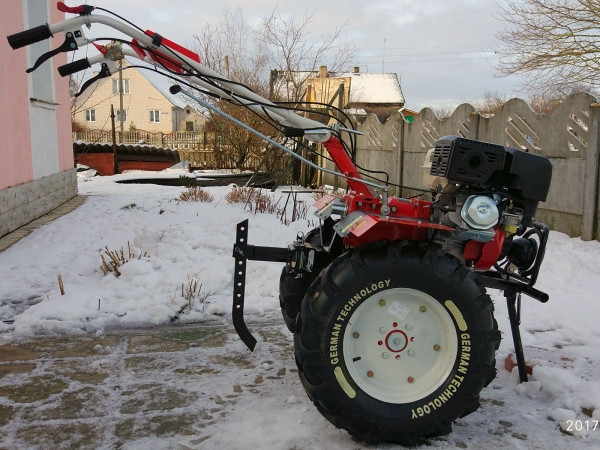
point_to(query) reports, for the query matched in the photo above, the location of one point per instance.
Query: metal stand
(513, 302)
(243, 252)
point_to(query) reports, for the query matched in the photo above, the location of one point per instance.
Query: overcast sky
(442, 50)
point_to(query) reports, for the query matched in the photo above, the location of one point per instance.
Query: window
(90, 115)
(189, 126)
(154, 115)
(115, 86)
(118, 115)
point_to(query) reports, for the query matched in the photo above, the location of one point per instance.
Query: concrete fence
(569, 136)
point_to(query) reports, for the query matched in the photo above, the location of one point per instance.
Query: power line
(427, 47)
(429, 54)
(435, 60)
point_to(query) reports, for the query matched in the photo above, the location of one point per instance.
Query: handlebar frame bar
(220, 86)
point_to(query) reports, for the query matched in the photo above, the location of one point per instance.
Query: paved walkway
(11, 238)
(169, 386)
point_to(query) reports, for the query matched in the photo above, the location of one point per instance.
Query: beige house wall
(142, 98)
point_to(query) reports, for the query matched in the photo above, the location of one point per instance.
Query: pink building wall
(15, 156)
(37, 172)
(16, 162)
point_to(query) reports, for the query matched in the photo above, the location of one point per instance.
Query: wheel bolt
(382, 330)
(385, 355)
(422, 309)
(411, 352)
(410, 380)
(370, 374)
(355, 335)
(382, 302)
(408, 326)
(436, 348)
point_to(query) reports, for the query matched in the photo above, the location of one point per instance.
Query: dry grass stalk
(317, 195)
(299, 211)
(239, 194)
(192, 292)
(61, 286)
(116, 258)
(196, 194)
(255, 201)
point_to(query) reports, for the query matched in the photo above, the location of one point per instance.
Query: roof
(374, 88)
(371, 88)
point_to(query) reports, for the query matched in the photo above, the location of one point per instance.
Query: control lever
(104, 73)
(67, 46)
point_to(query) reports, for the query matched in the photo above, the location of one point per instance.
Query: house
(147, 104)
(37, 172)
(357, 93)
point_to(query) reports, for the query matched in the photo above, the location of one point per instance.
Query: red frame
(408, 218)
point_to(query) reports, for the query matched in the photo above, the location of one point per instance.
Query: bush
(116, 258)
(192, 293)
(196, 194)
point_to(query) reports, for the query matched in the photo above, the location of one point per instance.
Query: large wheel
(395, 342)
(293, 286)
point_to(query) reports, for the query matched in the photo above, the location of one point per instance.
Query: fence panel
(565, 137)
(179, 140)
(569, 136)
(378, 147)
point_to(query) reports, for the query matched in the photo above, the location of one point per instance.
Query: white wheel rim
(400, 345)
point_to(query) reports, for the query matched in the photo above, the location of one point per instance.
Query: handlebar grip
(30, 36)
(75, 66)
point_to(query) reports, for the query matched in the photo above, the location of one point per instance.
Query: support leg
(511, 302)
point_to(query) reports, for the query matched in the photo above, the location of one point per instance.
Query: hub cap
(400, 345)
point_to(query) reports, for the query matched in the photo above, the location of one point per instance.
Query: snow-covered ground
(175, 242)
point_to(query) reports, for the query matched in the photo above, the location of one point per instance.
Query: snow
(174, 243)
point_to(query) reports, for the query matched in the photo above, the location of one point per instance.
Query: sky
(442, 50)
(175, 241)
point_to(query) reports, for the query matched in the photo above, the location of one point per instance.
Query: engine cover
(524, 176)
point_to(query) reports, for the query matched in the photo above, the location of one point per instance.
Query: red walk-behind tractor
(394, 333)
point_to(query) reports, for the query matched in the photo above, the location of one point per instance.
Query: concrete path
(168, 387)
(11, 238)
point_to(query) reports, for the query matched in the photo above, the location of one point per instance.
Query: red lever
(66, 9)
(101, 48)
(82, 9)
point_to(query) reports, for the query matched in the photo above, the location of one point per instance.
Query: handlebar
(28, 37)
(74, 67)
(152, 44)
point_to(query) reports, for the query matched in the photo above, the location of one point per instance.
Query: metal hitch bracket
(243, 252)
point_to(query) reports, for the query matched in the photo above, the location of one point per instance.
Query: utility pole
(114, 140)
(121, 100)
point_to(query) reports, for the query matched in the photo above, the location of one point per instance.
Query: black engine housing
(525, 176)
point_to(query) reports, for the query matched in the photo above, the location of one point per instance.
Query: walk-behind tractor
(394, 333)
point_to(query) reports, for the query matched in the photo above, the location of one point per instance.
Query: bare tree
(490, 104)
(247, 55)
(554, 43)
(294, 52)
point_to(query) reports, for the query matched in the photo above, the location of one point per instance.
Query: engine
(480, 187)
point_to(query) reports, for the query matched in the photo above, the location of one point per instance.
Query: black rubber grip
(30, 36)
(75, 66)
